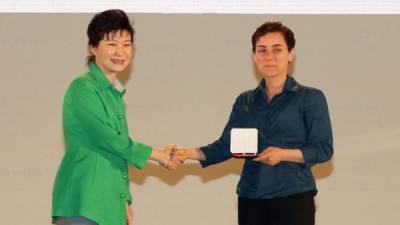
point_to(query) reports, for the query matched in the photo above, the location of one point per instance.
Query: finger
(179, 152)
(257, 159)
(269, 161)
(176, 152)
(181, 158)
(169, 148)
(264, 159)
(176, 157)
(180, 148)
(172, 168)
(260, 157)
(177, 163)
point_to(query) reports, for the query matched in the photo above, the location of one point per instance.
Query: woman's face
(272, 56)
(113, 53)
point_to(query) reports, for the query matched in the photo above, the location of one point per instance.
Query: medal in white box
(244, 142)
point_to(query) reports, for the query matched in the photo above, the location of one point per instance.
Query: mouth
(270, 66)
(118, 61)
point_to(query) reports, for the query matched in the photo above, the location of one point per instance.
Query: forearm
(275, 155)
(195, 154)
(160, 155)
(155, 154)
(292, 155)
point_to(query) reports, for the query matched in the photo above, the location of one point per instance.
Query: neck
(111, 77)
(274, 85)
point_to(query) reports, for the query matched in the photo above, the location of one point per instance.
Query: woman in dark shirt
(294, 133)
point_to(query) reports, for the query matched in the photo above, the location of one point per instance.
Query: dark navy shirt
(297, 118)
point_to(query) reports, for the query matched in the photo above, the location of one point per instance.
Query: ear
(93, 50)
(292, 54)
(254, 57)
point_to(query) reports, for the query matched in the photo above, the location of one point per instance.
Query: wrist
(155, 154)
(285, 155)
(197, 154)
(292, 155)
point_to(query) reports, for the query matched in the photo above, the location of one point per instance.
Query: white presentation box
(244, 142)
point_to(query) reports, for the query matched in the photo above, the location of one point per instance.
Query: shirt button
(119, 132)
(125, 176)
(122, 195)
(120, 116)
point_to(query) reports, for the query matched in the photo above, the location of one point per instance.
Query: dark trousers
(298, 209)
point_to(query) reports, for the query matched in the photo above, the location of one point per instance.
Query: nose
(119, 51)
(269, 55)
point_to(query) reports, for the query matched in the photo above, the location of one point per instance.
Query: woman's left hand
(271, 156)
(129, 216)
(274, 155)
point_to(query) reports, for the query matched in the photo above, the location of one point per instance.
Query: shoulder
(246, 97)
(83, 81)
(310, 92)
(310, 96)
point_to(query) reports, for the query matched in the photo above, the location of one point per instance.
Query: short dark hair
(105, 23)
(269, 27)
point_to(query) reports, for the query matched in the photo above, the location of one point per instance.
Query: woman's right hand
(164, 157)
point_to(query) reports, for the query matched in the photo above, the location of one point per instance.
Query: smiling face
(272, 56)
(113, 53)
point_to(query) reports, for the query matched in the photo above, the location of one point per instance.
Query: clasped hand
(170, 157)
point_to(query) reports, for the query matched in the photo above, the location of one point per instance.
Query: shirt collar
(119, 87)
(99, 76)
(291, 85)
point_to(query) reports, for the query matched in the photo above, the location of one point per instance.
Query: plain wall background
(187, 71)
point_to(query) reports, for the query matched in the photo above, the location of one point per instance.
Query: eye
(127, 45)
(112, 44)
(261, 50)
(277, 50)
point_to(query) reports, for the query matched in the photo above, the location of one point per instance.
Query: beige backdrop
(187, 71)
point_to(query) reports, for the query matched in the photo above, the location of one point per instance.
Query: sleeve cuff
(213, 156)
(308, 156)
(141, 156)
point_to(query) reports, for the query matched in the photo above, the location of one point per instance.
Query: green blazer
(92, 180)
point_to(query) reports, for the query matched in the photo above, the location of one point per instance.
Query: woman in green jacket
(92, 183)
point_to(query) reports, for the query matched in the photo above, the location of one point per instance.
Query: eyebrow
(264, 46)
(127, 40)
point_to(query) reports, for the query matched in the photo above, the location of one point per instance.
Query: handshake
(171, 157)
